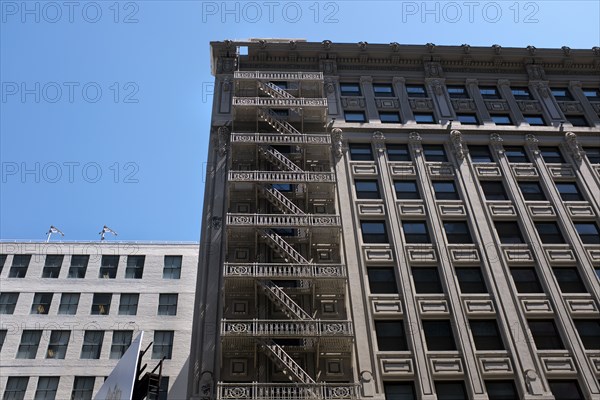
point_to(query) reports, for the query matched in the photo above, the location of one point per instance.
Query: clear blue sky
(105, 105)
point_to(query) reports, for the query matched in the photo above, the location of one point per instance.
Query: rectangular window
(390, 336)
(457, 232)
(30, 341)
(593, 154)
(470, 280)
(280, 84)
(427, 280)
(435, 152)
(415, 232)
(467, 119)
(101, 303)
(521, 93)
(355, 116)
(389, 117)
(2, 337)
(501, 390)
(350, 89)
(167, 304)
(438, 335)
(534, 120)
(68, 303)
(406, 190)
(92, 345)
(83, 388)
(569, 280)
(526, 280)
(445, 190)
(46, 388)
(57, 347)
(549, 232)
(569, 191)
(282, 187)
(451, 390)
(565, 390)
(551, 154)
(489, 92)
(424, 118)
(480, 154)
(589, 332)
(108, 268)
(383, 90)
(16, 386)
(532, 191)
(128, 304)
(3, 258)
(8, 302)
(545, 335)
(135, 267)
(577, 120)
(494, 190)
(399, 391)
(172, 269)
(41, 303)
(457, 92)
(592, 94)
(398, 152)
(52, 266)
(382, 280)
(367, 189)
(19, 266)
(561, 94)
(509, 232)
(361, 152)
(163, 344)
(78, 266)
(120, 343)
(588, 232)
(501, 119)
(416, 91)
(374, 232)
(516, 154)
(486, 335)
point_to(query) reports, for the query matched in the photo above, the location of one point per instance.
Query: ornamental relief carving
(463, 104)
(353, 102)
(387, 103)
(496, 105)
(574, 146)
(529, 105)
(570, 106)
(421, 104)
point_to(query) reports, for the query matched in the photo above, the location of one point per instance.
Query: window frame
(52, 270)
(416, 91)
(516, 154)
(117, 349)
(434, 153)
(19, 266)
(552, 154)
(133, 269)
(169, 309)
(78, 271)
(126, 307)
(467, 119)
(384, 115)
(483, 337)
(350, 89)
(524, 283)
(170, 269)
(68, 306)
(29, 344)
(533, 191)
(100, 306)
(412, 237)
(510, 232)
(438, 335)
(491, 193)
(462, 235)
(386, 339)
(355, 117)
(91, 348)
(382, 280)
(545, 334)
(588, 237)
(8, 302)
(495, 95)
(358, 152)
(398, 152)
(158, 348)
(424, 118)
(58, 344)
(107, 269)
(569, 195)
(426, 280)
(476, 153)
(41, 303)
(407, 195)
(440, 190)
(48, 391)
(457, 92)
(373, 237)
(385, 93)
(549, 232)
(370, 191)
(501, 119)
(467, 285)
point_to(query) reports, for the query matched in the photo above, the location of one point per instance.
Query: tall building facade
(400, 222)
(70, 310)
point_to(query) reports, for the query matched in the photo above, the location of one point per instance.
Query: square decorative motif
(242, 254)
(239, 367)
(329, 307)
(240, 307)
(334, 367)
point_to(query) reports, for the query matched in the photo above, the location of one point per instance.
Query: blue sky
(105, 106)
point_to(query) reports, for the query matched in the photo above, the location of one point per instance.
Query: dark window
(488, 92)
(92, 344)
(427, 280)
(19, 266)
(516, 154)
(350, 89)
(532, 191)
(2, 337)
(588, 232)
(501, 119)
(52, 266)
(406, 190)
(501, 390)
(521, 93)
(383, 90)
(367, 190)
(172, 268)
(281, 113)
(374, 232)
(569, 280)
(78, 266)
(16, 386)
(445, 190)
(167, 304)
(467, 119)
(68, 303)
(128, 303)
(415, 232)
(46, 388)
(434, 152)
(457, 92)
(135, 267)
(569, 191)
(57, 347)
(120, 343)
(389, 117)
(281, 84)
(41, 303)
(486, 335)
(438, 335)
(589, 332)
(163, 344)
(8, 302)
(577, 120)
(593, 154)
(526, 280)
(399, 391)
(561, 94)
(398, 152)
(390, 336)
(382, 280)
(549, 232)
(361, 152)
(545, 334)
(416, 91)
(101, 303)
(597, 273)
(470, 280)
(83, 387)
(480, 154)
(3, 258)
(457, 232)
(283, 187)
(565, 390)
(355, 116)
(551, 154)
(494, 190)
(509, 232)
(424, 118)
(451, 390)
(30, 341)
(534, 120)
(108, 268)
(592, 94)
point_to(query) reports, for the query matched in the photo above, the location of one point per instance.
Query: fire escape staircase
(280, 201)
(285, 303)
(278, 159)
(281, 247)
(277, 123)
(274, 91)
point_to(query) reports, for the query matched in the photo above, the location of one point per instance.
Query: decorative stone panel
(528, 106)
(414, 208)
(424, 254)
(463, 254)
(595, 362)
(524, 170)
(402, 169)
(487, 170)
(494, 365)
(433, 307)
(395, 366)
(580, 211)
(570, 107)
(496, 105)
(560, 254)
(387, 103)
(517, 255)
(446, 365)
(541, 211)
(463, 105)
(479, 307)
(558, 365)
(536, 306)
(440, 169)
(378, 254)
(386, 306)
(594, 255)
(451, 209)
(369, 209)
(364, 169)
(582, 306)
(562, 171)
(424, 104)
(502, 209)
(353, 102)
